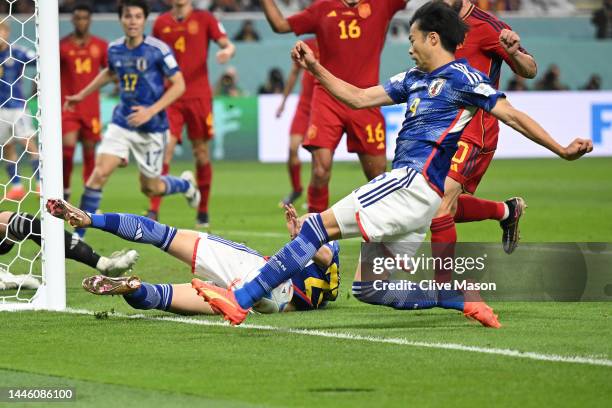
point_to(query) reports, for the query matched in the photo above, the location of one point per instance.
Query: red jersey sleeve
(156, 27)
(491, 44)
(395, 6)
(305, 21)
(104, 57)
(215, 29)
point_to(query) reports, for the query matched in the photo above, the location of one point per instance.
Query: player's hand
(72, 101)
(510, 41)
(303, 55)
(224, 55)
(293, 225)
(139, 116)
(578, 148)
(280, 110)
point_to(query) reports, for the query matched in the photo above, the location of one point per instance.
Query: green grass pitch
(122, 361)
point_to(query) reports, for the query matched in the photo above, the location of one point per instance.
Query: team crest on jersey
(364, 10)
(141, 64)
(436, 87)
(193, 27)
(166, 30)
(94, 50)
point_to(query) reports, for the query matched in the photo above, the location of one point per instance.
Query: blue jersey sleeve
(396, 87)
(477, 91)
(168, 63)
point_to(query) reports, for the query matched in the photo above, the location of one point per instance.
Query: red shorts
(88, 126)
(196, 113)
(330, 118)
(301, 119)
(469, 164)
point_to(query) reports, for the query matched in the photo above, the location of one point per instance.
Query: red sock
(89, 162)
(204, 177)
(470, 208)
(318, 198)
(443, 239)
(155, 202)
(68, 158)
(295, 176)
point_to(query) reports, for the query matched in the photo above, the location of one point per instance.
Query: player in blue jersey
(139, 125)
(15, 119)
(225, 263)
(442, 94)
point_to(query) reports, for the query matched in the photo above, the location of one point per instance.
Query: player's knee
(148, 190)
(321, 174)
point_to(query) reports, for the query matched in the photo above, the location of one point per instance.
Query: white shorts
(15, 122)
(229, 264)
(147, 148)
(395, 206)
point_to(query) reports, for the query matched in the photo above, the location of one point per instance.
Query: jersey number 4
(350, 30)
(179, 44)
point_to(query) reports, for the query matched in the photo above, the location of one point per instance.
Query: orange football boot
(482, 313)
(222, 301)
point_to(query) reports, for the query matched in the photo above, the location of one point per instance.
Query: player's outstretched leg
(130, 227)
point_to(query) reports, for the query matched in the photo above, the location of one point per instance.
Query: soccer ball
(277, 300)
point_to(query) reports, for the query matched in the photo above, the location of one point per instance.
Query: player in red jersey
(488, 43)
(82, 56)
(188, 32)
(300, 122)
(351, 35)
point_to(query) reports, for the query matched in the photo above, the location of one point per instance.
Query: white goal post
(51, 294)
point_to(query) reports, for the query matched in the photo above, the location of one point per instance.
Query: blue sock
(135, 228)
(11, 171)
(450, 299)
(401, 299)
(150, 297)
(174, 185)
(90, 202)
(287, 262)
(35, 171)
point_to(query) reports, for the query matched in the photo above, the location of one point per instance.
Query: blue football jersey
(13, 61)
(141, 72)
(314, 286)
(439, 106)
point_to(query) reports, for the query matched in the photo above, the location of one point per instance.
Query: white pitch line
(373, 339)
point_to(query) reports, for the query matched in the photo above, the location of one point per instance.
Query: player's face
(180, 3)
(81, 20)
(418, 47)
(133, 21)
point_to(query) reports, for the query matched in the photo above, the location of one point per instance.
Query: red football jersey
(350, 39)
(79, 65)
(484, 52)
(308, 81)
(189, 38)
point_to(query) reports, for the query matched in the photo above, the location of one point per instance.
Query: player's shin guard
(67, 162)
(318, 198)
(285, 263)
(377, 293)
(443, 239)
(90, 202)
(204, 179)
(89, 162)
(135, 228)
(155, 202)
(174, 185)
(149, 296)
(470, 208)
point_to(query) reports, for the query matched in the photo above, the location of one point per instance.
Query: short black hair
(133, 3)
(83, 6)
(438, 17)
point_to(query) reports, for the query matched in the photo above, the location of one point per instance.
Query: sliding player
(189, 32)
(225, 263)
(82, 56)
(442, 95)
(18, 227)
(299, 124)
(488, 44)
(350, 35)
(139, 125)
(15, 121)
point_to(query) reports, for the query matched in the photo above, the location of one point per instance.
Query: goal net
(32, 273)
